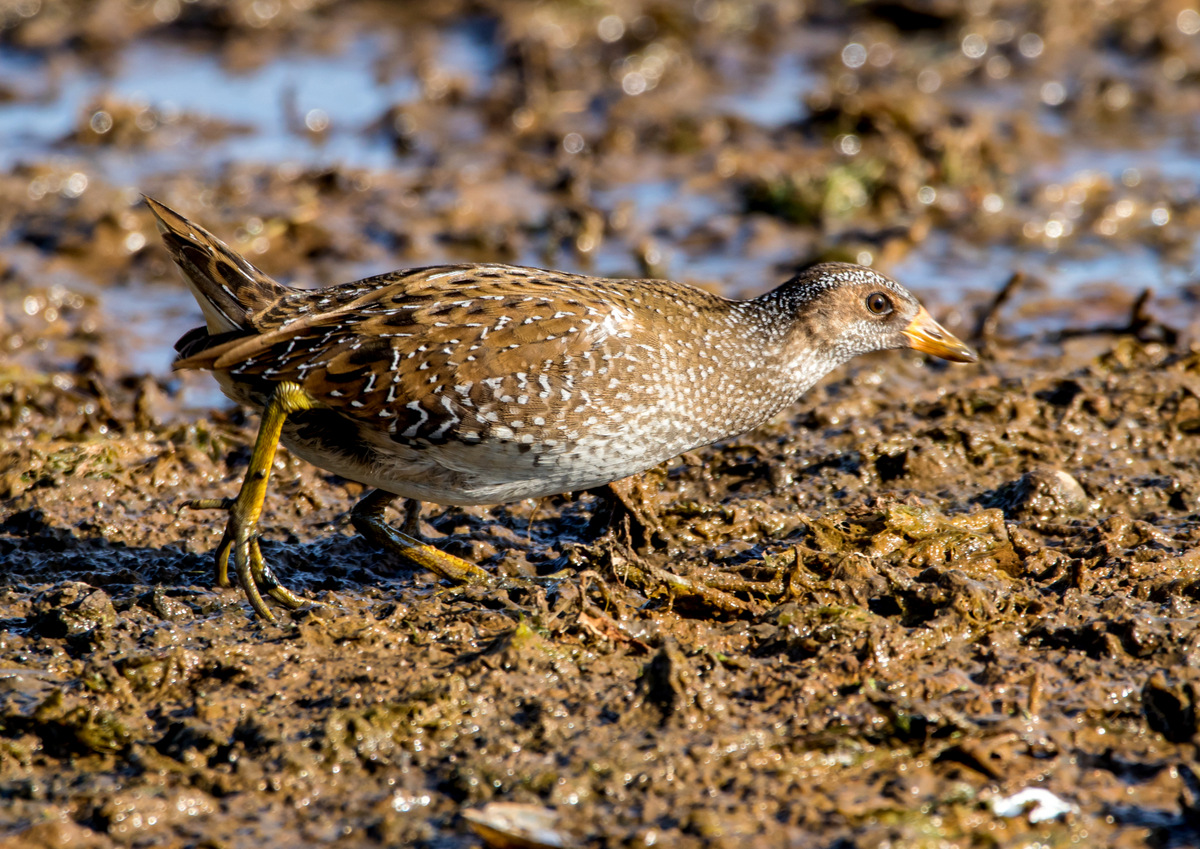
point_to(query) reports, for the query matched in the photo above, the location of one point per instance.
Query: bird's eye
(879, 303)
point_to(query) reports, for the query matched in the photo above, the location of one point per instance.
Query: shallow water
(269, 107)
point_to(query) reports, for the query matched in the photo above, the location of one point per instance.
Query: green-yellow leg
(367, 517)
(241, 531)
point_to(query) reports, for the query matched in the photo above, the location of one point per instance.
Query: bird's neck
(794, 335)
(765, 364)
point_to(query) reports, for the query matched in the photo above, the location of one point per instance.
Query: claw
(265, 578)
(244, 555)
(222, 557)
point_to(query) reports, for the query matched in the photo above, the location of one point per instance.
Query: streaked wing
(462, 352)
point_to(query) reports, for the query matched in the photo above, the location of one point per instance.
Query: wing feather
(435, 354)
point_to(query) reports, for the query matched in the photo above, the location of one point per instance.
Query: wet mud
(877, 620)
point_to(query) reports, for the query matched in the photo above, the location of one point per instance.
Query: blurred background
(723, 143)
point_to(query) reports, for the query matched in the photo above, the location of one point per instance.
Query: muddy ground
(871, 622)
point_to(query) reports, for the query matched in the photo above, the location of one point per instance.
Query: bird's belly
(460, 473)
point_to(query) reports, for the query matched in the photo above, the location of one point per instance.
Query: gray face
(839, 311)
(863, 317)
(844, 311)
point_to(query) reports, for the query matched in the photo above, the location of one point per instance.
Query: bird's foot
(241, 530)
(368, 519)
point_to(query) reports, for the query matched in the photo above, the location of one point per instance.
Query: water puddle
(300, 106)
(775, 98)
(1090, 286)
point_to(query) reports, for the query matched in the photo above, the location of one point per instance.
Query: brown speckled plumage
(478, 384)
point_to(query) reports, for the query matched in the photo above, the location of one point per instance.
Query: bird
(484, 383)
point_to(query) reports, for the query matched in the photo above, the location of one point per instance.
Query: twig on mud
(783, 586)
(652, 580)
(1140, 322)
(985, 330)
(600, 621)
(591, 579)
(728, 582)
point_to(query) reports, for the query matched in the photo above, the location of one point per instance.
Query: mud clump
(1043, 493)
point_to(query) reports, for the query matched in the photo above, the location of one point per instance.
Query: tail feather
(195, 349)
(228, 288)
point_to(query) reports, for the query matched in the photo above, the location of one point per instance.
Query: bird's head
(843, 311)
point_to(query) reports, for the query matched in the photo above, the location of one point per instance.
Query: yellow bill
(927, 336)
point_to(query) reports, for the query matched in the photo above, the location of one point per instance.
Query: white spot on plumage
(415, 428)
